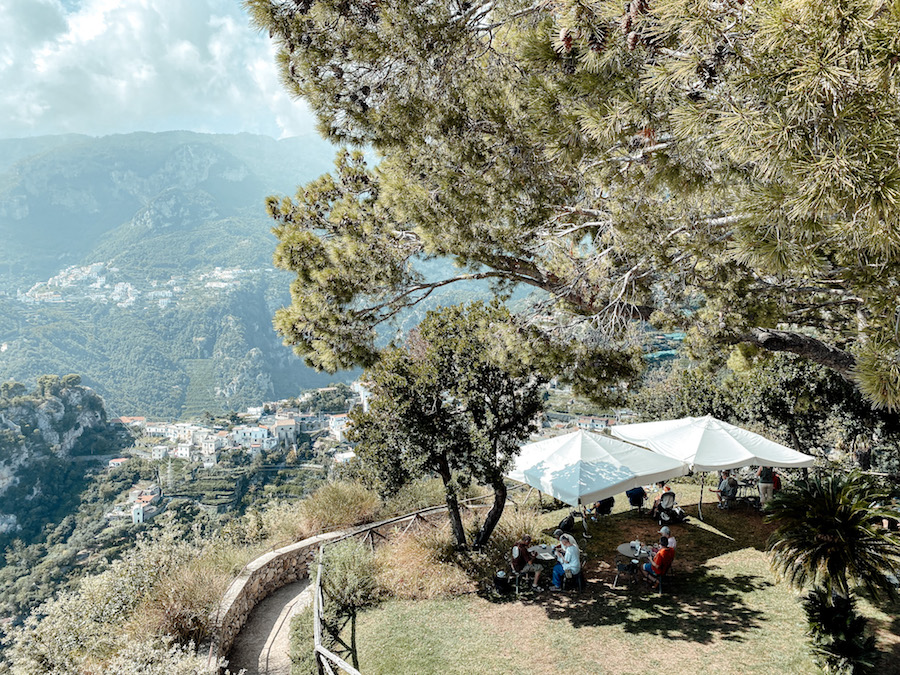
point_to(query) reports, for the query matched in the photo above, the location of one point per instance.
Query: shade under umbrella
(581, 467)
(709, 444)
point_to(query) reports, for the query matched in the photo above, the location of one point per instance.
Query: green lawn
(722, 612)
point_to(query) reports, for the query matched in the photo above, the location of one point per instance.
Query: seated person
(569, 561)
(603, 507)
(660, 564)
(636, 496)
(666, 532)
(727, 490)
(654, 510)
(523, 561)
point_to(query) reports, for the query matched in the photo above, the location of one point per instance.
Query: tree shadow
(701, 607)
(890, 656)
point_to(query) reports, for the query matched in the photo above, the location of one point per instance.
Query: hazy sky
(112, 66)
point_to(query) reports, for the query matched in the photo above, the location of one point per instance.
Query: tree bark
(843, 363)
(452, 500)
(493, 516)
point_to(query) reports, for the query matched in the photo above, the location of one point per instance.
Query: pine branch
(772, 340)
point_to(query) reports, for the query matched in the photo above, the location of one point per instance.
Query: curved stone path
(263, 645)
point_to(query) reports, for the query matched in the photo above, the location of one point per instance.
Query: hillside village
(96, 283)
(284, 425)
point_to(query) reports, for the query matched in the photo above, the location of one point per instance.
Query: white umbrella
(581, 467)
(708, 444)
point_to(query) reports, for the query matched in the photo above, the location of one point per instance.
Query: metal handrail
(323, 654)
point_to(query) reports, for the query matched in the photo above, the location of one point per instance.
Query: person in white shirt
(569, 561)
(666, 532)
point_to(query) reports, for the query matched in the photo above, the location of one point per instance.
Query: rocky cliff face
(38, 431)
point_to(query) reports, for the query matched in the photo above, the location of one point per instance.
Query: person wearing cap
(660, 564)
(666, 532)
(569, 561)
(523, 561)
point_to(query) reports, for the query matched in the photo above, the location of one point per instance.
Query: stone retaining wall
(259, 578)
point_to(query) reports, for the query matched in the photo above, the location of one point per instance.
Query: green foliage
(799, 403)
(841, 642)
(302, 640)
(349, 580)
(455, 402)
(730, 169)
(43, 428)
(332, 399)
(338, 504)
(827, 533)
(415, 495)
(88, 626)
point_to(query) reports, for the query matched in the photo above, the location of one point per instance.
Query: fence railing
(326, 659)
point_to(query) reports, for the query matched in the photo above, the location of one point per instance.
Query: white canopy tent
(581, 467)
(708, 444)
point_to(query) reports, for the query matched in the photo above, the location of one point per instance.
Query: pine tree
(727, 167)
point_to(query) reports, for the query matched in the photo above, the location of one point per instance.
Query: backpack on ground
(567, 524)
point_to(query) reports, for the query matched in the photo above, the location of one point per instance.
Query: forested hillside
(40, 432)
(144, 262)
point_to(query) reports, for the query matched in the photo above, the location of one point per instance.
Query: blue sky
(113, 66)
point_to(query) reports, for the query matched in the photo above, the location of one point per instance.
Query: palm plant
(827, 537)
(827, 534)
(838, 633)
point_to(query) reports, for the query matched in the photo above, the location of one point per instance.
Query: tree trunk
(493, 516)
(452, 500)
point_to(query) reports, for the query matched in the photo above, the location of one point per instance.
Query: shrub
(421, 565)
(182, 603)
(339, 504)
(303, 660)
(839, 637)
(414, 496)
(349, 580)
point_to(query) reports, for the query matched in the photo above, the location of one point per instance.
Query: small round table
(626, 551)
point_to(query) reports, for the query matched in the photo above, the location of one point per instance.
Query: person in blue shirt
(569, 560)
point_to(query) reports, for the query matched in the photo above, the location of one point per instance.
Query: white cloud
(113, 66)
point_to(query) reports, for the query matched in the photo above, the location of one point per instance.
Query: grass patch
(723, 610)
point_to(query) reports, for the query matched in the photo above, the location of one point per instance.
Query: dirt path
(263, 645)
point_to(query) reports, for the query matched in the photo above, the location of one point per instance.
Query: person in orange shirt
(660, 564)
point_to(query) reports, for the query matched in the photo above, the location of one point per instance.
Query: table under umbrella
(709, 444)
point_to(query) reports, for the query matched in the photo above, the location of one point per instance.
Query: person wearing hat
(666, 532)
(569, 561)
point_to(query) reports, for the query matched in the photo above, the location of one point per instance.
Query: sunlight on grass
(723, 611)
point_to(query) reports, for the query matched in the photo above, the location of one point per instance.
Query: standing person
(523, 561)
(569, 561)
(766, 484)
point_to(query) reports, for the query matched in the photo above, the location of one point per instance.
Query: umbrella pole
(584, 520)
(700, 504)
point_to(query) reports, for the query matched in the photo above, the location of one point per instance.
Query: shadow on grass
(698, 607)
(890, 657)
